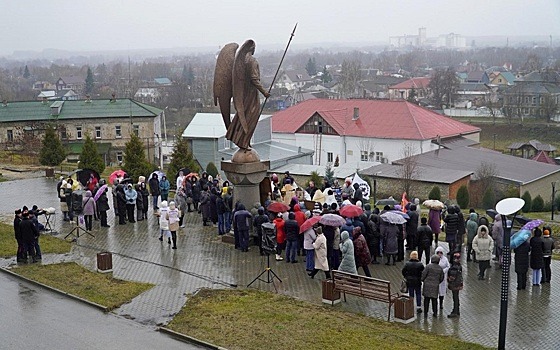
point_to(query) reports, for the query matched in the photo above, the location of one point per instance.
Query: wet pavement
(37, 318)
(202, 260)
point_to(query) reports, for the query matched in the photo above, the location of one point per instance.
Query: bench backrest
(368, 287)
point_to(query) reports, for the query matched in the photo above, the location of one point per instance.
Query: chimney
(4, 103)
(88, 99)
(356, 114)
(113, 98)
(44, 101)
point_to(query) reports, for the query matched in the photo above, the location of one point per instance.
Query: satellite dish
(509, 206)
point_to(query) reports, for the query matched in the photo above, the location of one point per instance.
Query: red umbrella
(351, 211)
(309, 223)
(277, 207)
(115, 174)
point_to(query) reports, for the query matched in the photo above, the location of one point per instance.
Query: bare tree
(410, 169)
(350, 77)
(443, 85)
(486, 174)
(549, 107)
(367, 147)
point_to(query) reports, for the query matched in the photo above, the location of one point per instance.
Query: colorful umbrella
(532, 225)
(115, 174)
(309, 223)
(392, 217)
(277, 207)
(99, 192)
(351, 211)
(519, 237)
(433, 204)
(332, 220)
(189, 175)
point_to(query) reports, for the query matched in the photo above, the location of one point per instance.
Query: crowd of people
(357, 242)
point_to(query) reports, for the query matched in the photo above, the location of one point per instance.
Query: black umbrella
(491, 213)
(83, 175)
(388, 201)
(185, 171)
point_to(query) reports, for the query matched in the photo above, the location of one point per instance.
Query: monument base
(246, 178)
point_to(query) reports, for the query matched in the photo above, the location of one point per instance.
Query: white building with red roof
(403, 90)
(365, 130)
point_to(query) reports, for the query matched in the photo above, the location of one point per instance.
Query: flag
(404, 202)
(364, 186)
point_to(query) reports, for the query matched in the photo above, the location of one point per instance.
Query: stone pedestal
(246, 178)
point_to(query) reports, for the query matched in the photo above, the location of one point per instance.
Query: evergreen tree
(181, 157)
(412, 96)
(90, 157)
(538, 204)
(316, 178)
(488, 200)
(336, 161)
(26, 73)
(52, 151)
(311, 67)
(435, 193)
(89, 81)
(211, 169)
(326, 77)
(463, 197)
(528, 202)
(329, 173)
(135, 162)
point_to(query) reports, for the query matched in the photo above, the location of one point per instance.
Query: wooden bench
(365, 287)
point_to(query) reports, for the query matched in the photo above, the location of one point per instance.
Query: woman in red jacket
(280, 236)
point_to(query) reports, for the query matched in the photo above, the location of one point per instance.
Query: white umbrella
(433, 204)
(392, 218)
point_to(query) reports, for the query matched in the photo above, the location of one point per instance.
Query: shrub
(538, 204)
(528, 203)
(316, 178)
(212, 170)
(489, 199)
(435, 193)
(463, 197)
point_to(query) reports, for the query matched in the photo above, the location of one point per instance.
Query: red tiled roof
(543, 158)
(377, 119)
(413, 83)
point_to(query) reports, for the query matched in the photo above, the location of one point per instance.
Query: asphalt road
(36, 318)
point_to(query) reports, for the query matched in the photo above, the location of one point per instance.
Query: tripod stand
(77, 229)
(270, 275)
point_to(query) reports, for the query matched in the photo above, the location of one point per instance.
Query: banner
(364, 186)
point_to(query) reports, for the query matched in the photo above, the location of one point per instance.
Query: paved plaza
(203, 261)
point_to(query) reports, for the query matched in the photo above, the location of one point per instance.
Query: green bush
(435, 193)
(463, 197)
(489, 199)
(528, 202)
(316, 178)
(212, 170)
(538, 204)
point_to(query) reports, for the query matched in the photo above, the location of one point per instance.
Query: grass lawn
(99, 288)
(49, 244)
(251, 319)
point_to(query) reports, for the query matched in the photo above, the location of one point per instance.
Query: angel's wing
(223, 86)
(239, 81)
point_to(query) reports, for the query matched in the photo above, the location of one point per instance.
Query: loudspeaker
(77, 201)
(268, 243)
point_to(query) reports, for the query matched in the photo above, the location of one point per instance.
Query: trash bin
(104, 262)
(330, 296)
(404, 309)
(49, 172)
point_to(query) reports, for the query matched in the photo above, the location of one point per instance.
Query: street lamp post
(375, 187)
(552, 201)
(506, 207)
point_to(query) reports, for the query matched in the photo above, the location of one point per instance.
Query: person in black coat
(412, 228)
(260, 219)
(537, 256)
(144, 194)
(291, 228)
(121, 204)
(28, 233)
(451, 228)
(412, 272)
(102, 205)
(358, 195)
(522, 264)
(154, 190)
(374, 243)
(21, 254)
(425, 237)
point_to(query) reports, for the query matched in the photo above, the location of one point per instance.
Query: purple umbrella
(99, 192)
(404, 215)
(332, 220)
(532, 225)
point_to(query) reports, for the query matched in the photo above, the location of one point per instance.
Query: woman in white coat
(444, 263)
(321, 262)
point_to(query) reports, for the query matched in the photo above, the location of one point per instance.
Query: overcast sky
(141, 24)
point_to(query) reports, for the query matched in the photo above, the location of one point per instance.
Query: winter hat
(414, 255)
(171, 205)
(344, 235)
(439, 249)
(141, 179)
(546, 233)
(18, 211)
(164, 204)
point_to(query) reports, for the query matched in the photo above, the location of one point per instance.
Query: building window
(364, 156)
(10, 136)
(541, 100)
(78, 133)
(526, 99)
(136, 129)
(329, 157)
(378, 156)
(97, 132)
(119, 157)
(526, 111)
(118, 133)
(63, 134)
(534, 101)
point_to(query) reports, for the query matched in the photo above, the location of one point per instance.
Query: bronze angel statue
(237, 75)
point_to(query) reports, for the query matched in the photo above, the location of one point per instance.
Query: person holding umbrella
(309, 237)
(320, 255)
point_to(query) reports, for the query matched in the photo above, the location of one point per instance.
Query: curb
(189, 339)
(90, 303)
